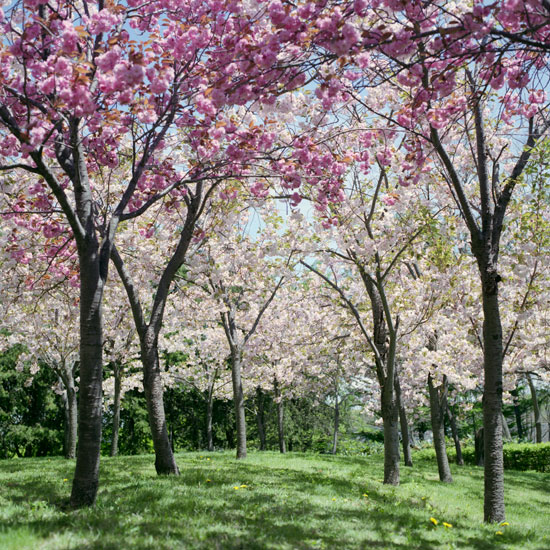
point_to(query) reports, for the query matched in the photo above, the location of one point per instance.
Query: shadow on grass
(225, 504)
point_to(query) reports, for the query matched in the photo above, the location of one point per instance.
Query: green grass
(269, 501)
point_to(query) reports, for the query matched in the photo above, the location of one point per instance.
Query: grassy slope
(269, 501)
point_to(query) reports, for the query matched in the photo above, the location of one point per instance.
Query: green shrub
(517, 456)
(527, 456)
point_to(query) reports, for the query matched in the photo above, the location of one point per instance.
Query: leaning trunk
(390, 418)
(405, 441)
(165, 462)
(280, 416)
(505, 429)
(456, 438)
(492, 401)
(260, 417)
(116, 411)
(536, 409)
(86, 476)
(438, 405)
(238, 399)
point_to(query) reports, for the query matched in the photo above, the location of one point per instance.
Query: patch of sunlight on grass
(269, 501)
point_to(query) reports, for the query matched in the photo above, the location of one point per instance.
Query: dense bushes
(527, 456)
(517, 456)
(31, 414)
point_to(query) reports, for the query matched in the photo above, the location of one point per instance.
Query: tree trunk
(456, 438)
(536, 409)
(230, 436)
(438, 405)
(72, 423)
(494, 511)
(149, 333)
(165, 462)
(66, 433)
(479, 456)
(90, 405)
(517, 412)
(505, 429)
(385, 372)
(280, 416)
(116, 410)
(260, 417)
(238, 399)
(209, 415)
(405, 441)
(390, 418)
(336, 425)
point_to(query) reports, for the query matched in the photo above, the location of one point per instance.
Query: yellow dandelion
(236, 487)
(499, 533)
(365, 495)
(244, 486)
(208, 480)
(504, 524)
(207, 459)
(447, 525)
(65, 479)
(333, 499)
(434, 521)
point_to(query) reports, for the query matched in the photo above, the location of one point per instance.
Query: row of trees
(34, 419)
(132, 131)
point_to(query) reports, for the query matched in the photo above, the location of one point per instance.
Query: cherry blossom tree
(371, 233)
(452, 65)
(244, 275)
(88, 87)
(195, 332)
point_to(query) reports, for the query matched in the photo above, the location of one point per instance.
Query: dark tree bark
(116, 409)
(86, 476)
(148, 332)
(456, 438)
(479, 448)
(492, 401)
(390, 418)
(260, 417)
(93, 229)
(383, 345)
(405, 440)
(71, 422)
(280, 416)
(165, 463)
(536, 409)
(485, 222)
(66, 376)
(336, 425)
(505, 428)
(237, 343)
(78, 210)
(238, 400)
(385, 370)
(438, 406)
(517, 413)
(209, 415)
(230, 436)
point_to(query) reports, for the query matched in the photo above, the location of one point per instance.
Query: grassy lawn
(270, 501)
